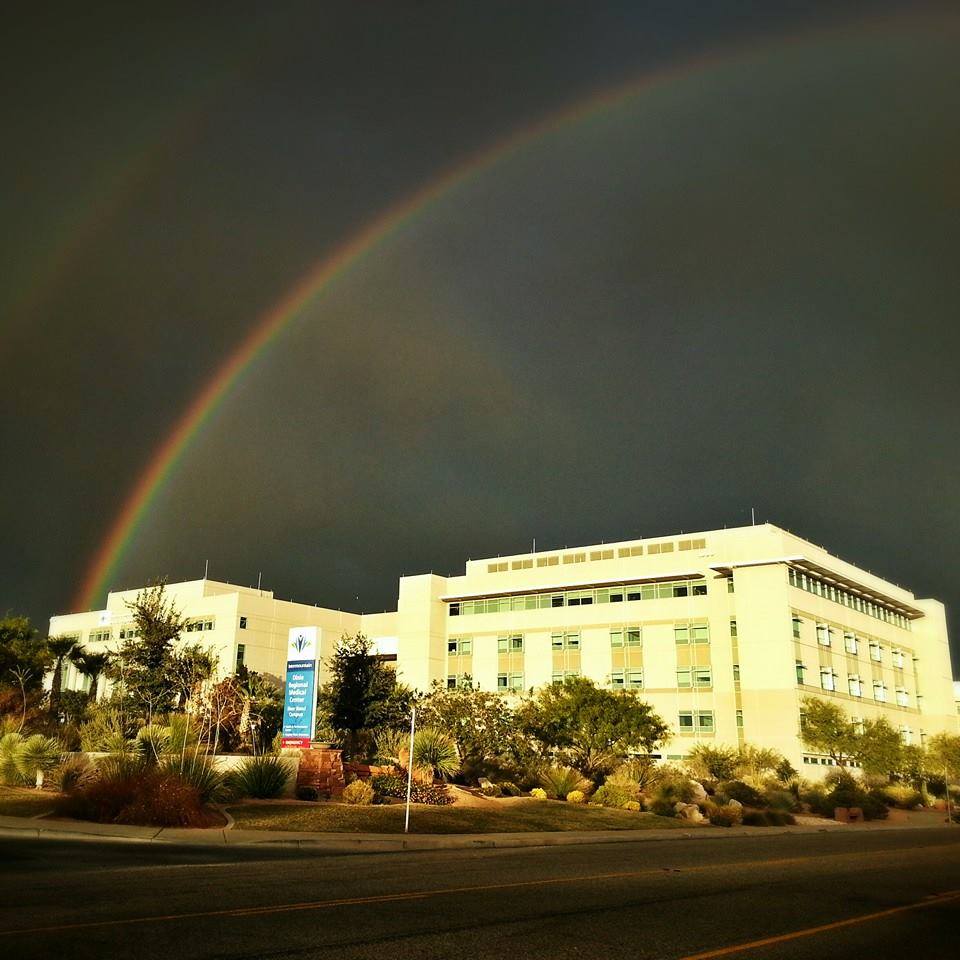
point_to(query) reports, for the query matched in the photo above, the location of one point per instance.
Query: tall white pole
(946, 783)
(413, 721)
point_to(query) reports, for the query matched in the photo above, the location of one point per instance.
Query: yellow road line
(812, 931)
(448, 891)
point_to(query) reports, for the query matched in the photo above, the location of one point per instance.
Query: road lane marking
(823, 928)
(447, 891)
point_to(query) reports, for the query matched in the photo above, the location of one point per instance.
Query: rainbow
(356, 247)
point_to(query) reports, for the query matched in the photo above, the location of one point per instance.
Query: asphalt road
(675, 899)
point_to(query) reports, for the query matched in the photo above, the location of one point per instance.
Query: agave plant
(263, 777)
(199, 771)
(35, 755)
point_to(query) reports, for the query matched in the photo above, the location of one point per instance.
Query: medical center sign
(300, 699)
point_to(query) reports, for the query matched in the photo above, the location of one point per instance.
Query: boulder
(689, 811)
(699, 794)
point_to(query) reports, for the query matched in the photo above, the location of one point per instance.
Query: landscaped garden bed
(515, 816)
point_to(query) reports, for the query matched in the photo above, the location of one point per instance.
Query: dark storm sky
(739, 288)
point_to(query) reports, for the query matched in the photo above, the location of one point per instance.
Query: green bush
(767, 818)
(359, 793)
(558, 781)
(510, 789)
(576, 796)
(668, 794)
(263, 777)
(538, 793)
(105, 732)
(489, 789)
(725, 816)
(902, 795)
(742, 793)
(780, 799)
(632, 805)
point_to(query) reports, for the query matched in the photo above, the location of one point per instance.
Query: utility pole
(413, 723)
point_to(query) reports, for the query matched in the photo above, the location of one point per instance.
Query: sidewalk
(24, 828)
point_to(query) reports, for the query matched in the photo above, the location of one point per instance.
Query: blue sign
(300, 703)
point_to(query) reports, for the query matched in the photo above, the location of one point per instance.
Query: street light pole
(413, 722)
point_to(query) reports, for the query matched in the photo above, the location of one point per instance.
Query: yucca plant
(559, 781)
(263, 777)
(36, 755)
(153, 741)
(9, 773)
(198, 770)
(437, 750)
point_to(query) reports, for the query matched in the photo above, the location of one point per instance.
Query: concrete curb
(23, 828)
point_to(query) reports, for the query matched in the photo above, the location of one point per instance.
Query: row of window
(575, 598)
(197, 626)
(851, 643)
(854, 601)
(828, 681)
(683, 633)
(553, 560)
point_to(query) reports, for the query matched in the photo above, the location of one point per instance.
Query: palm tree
(91, 665)
(59, 648)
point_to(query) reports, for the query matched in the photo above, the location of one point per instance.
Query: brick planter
(322, 769)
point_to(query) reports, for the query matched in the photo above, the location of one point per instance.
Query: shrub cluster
(767, 818)
(136, 794)
(391, 785)
(725, 816)
(359, 793)
(538, 793)
(576, 796)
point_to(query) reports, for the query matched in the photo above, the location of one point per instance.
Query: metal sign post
(413, 722)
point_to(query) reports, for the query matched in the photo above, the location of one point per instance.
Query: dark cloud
(735, 290)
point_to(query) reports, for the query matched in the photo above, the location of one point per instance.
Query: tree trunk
(55, 685)
(40, 779)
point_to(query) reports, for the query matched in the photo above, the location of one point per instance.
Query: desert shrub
(164, 799)
(620, 784)
(901, 795)
(103, 798)
(785, 772)
(725, 816)
(359, 793)
(874, 805)
(74, 771)
(767, 818)
(198, 770)
(668, 794)
(391, 785)
(607, 796)
(105, 732)
(742, 793)
(645, 772)
(780, 799)
(510, 788)
(489, 789)
(558, 781)
(633, 805)
(538, 793)
(263, 777)
(308, 793)
(576, 796)
(712, 762)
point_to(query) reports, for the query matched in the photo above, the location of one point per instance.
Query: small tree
(146, 664)
(481, 723)
(826, 728)
(59, 648)
(361, 696)
(588, 727)
(878, 748)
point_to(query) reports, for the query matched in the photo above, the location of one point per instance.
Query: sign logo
(300, 643)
